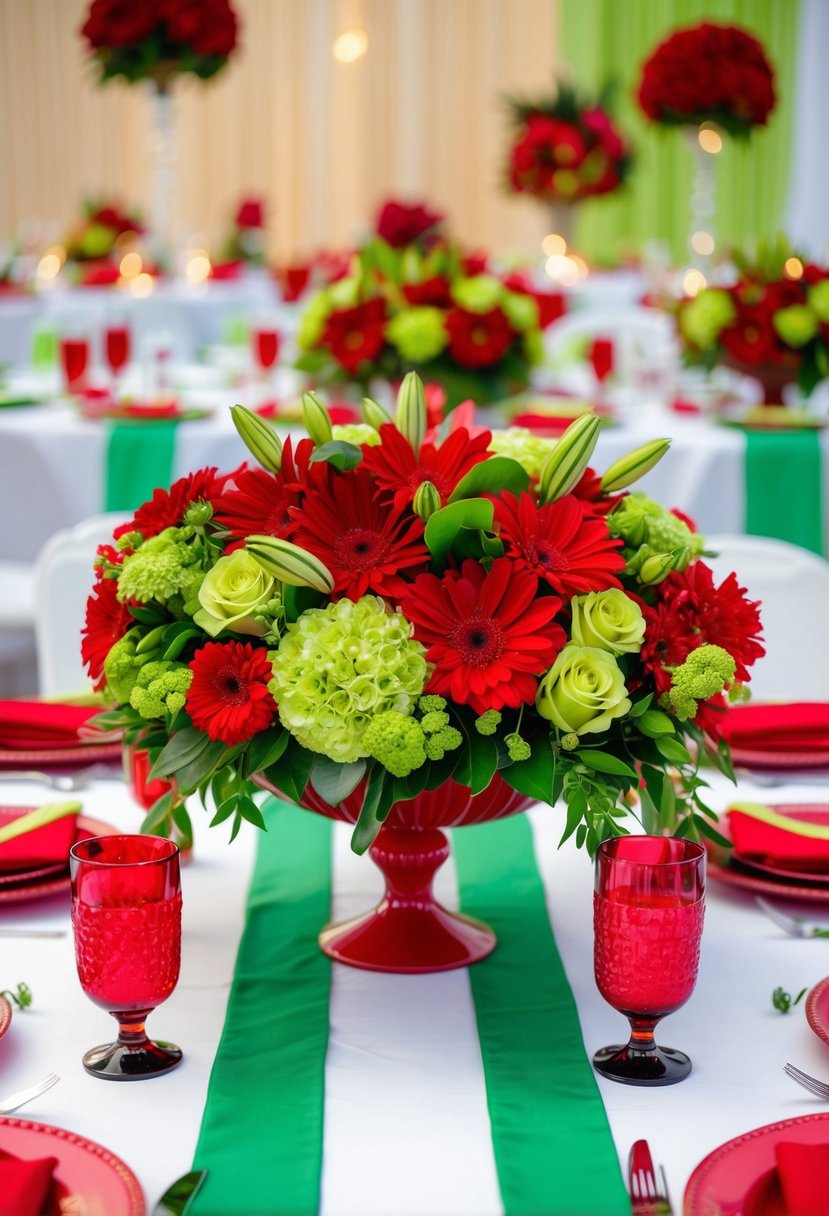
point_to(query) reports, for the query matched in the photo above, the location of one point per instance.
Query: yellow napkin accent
(38, 819)
(797, 827)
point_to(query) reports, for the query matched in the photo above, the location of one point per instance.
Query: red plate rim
(132, 1187)
(73, 754)
(5, 1015)
(814, 1015)
(38, 889)
(695, 1204)
(750, 758)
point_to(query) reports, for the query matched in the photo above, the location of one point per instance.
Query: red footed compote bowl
(126, 919)
(648, 908)
(409, 931)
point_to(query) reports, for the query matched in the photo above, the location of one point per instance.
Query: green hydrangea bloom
(339, 666)
(358, 433)
(312, 321)
(129, 540)
(819, 299)
(488, 722)
(121, 668)
(705, 672)
(796, 325)
(523, 445)
(702, 319)
(521, 311)
(164, 566)
(480, 293)
(396, 741)
(160, 688)
(419, 334)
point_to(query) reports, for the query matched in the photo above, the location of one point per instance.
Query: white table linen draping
(403, 1055)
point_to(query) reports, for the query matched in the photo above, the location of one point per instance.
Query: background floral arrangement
(380, 608)
(159, 39)
(104, 221)
(566, 148)
(766, 317)
(708, 73)
(399, 223)
(246, 241)
(440, 313)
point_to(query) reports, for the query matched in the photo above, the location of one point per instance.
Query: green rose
(583, 691)
(702, 319)
(819, 299)
(796, 324)
(230, 594)
(481, 293)
(608, 620)
(418, 333)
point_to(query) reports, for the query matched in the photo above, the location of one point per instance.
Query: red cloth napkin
(803, 1170)
(795, 726)
(754, 839)
(24, 1185)
(42, 846)
(31, 725)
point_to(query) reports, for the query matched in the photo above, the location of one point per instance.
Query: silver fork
(819, 1088)
(795, 926)
(15, 1101)
(65, 782)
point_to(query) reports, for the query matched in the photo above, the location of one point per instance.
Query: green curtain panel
(610, 39)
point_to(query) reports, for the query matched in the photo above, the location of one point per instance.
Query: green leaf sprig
(783, 1001)
(22, 996)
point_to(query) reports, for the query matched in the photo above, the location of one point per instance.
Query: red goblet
(74, 358)
(648, 906)
(601, 358)
(265, 344)
(126, 917)
(117, 344)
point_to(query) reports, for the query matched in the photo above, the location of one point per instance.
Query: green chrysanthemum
(521, 444)
(164, 566)
(396, 741)
(338, 667)
(705, 673)
(419, 334)
(649, 529)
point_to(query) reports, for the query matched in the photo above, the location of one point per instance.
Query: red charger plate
(817, 1010)
(740, 1176)
(71, 755)
(27, 885)
(769, 880)
(5, 1015)
(774, 761)
(87, 1171)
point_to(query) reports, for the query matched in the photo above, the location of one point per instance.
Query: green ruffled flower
(121, 668)
(358, 433)
(705, 673)
(396, 741)
(796, 325)
(702, 319)
(488, 722)
(443, 741)
(481, 293)
(521, 311)
(419, 334)
(160, 688)
(339, 666)
(523, 445)
(164, 566)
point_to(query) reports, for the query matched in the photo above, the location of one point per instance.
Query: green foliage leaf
(654, 723)
(297, 600)
(605, 762)
(674, 751)
(338, 453)
(158, 818)
(265, 749)
(376, 805)
(536, 777)
(445, 525)
(183, 748)
(478, 762)
(492, 477)
(291, 771)
(576, 801)
(334, 782)
(639, 707)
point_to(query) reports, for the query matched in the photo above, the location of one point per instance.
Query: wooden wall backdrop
(420, 115)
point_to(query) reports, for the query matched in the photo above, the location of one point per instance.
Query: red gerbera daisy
(564, 543)
(228, 698)
(257, 502)
(107, 620)
(723, 616)
(396, 469)
(166, 507)
(356, 335)
(487, 634)
(364, 543)
(478, 339)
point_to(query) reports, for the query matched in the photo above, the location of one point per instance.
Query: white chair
(793, 587)
(62, 583)
(17, 619)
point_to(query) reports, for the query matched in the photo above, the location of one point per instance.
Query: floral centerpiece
(566, 148)
(94, 237)
(768, 324)
(405, 629)
(246, 240)
(440, 313)
(708, 73)
(159, 39)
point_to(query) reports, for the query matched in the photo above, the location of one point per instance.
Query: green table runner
(262, 1129)
(784, 487)
(139, 457)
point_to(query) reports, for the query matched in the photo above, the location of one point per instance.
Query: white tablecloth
(52, 466)
(403, 1056)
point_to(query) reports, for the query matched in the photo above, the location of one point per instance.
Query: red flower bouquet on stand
(408, 631)
(246, 241)
(566, 149)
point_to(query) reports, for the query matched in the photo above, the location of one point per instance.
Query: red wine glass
(648, 906)
(265, 344)
(126, 918)
(74, 358)
(118, 348)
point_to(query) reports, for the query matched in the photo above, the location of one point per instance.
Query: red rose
(114, 23)
(401, 224)
(251, 214)
(478, 339)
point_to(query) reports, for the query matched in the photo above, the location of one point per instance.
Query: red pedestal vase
(409, 931)
(773, 377)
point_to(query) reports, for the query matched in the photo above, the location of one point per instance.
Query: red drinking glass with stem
(265, 344)
(118, 348)
(648, 907)
(126, 918)
(74, 359)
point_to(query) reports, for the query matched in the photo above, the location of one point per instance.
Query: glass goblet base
(658, 1066)
(117, 1062)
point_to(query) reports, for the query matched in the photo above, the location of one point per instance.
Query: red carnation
(487, 634)
(228, 698)
(669, 639)
(564, 543)
(257, 502)
(401, 224)
(166, 508)
(356, 335)
(365, 544)
(723, 616)
(434, 292)
(107, 620)
(398, 471)
(478, 339)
